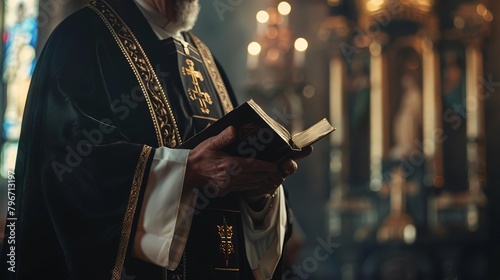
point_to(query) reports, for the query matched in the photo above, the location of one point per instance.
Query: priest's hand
(287, 167)
(208, 165)
(257, 198)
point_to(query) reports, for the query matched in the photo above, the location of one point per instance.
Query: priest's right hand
(208, 165)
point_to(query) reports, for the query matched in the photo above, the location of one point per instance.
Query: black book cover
(259, 136)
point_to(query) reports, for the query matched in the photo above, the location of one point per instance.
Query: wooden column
(378, 137)
(431, 109)
(337, 143)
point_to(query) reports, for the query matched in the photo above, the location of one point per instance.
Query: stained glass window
(20, 34)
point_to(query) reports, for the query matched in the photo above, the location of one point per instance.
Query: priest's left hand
(287, 168)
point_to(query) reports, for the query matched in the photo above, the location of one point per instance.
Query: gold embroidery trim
(209, 62)
(167, 132)
(140, 169)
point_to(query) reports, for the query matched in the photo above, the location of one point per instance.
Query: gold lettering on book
(226, 234)
(196, 93)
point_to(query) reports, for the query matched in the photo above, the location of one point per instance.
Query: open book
(260, 136)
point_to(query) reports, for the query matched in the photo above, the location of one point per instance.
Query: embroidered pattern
(164, 122)
(209, 62)
(129, 214)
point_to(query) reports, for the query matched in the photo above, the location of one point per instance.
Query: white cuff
(159, 238)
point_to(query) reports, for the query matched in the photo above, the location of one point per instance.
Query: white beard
(186, 13)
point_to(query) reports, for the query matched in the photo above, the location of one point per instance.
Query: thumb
(224, 138)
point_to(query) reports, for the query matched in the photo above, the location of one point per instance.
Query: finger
(288, 167)
(218, 142)
(275, 179)
(259, 181)
(255, 165)
(269, 184)
(255, 179)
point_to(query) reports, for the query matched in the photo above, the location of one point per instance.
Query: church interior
(408, 186)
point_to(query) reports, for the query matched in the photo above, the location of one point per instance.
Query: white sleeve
(166, 215)
(264, 233)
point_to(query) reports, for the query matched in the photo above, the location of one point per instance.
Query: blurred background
(408, 187)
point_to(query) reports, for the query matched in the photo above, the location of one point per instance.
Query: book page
(312, 134)
(280, 130)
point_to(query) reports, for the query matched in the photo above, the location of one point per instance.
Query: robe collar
(132, 14)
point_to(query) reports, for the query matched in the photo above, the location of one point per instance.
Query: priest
(103, 190)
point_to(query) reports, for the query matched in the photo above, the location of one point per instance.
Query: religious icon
(407, 113)
(404, 119)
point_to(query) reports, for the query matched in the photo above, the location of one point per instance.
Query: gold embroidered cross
(196, 93)
(226, 233)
